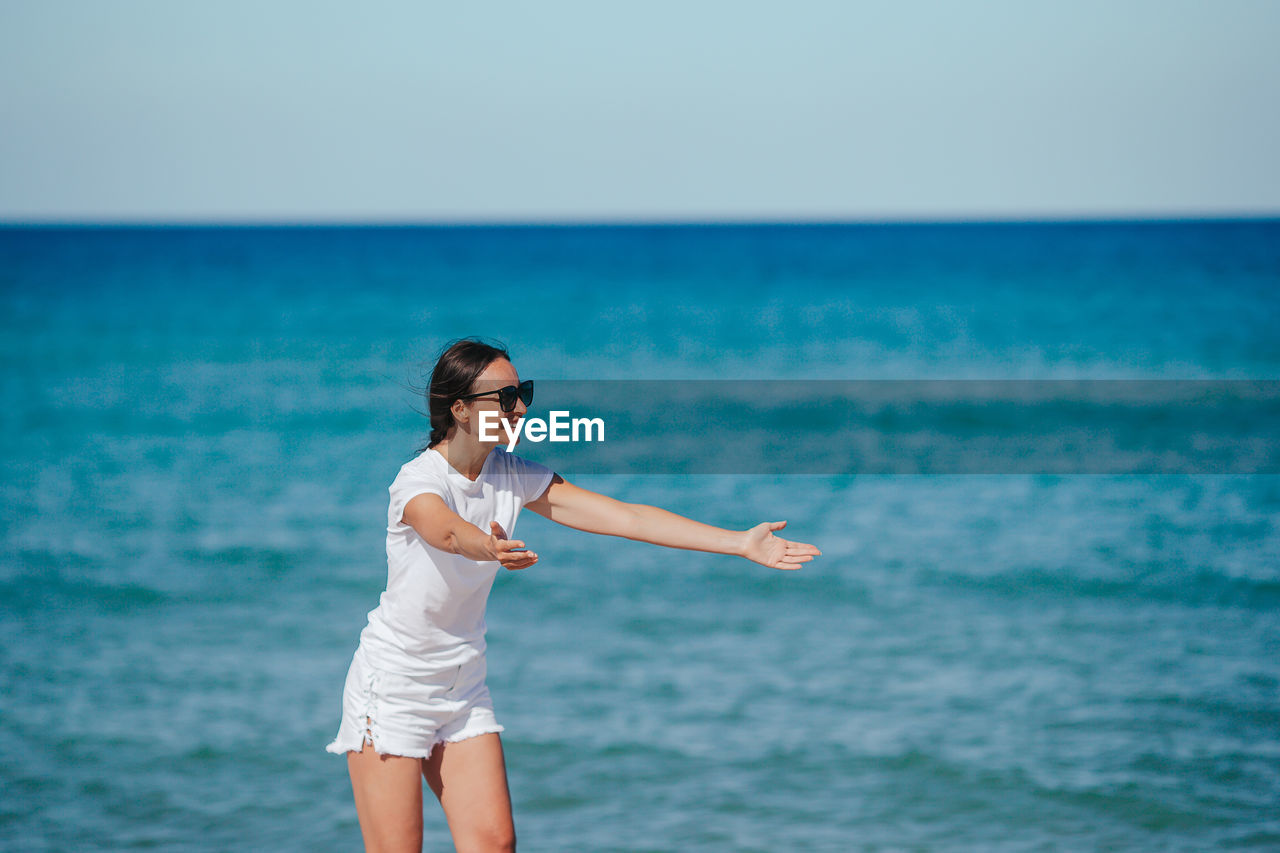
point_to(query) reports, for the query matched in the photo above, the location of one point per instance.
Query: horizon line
(635, 222)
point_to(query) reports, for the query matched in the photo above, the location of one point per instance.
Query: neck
(467, 458)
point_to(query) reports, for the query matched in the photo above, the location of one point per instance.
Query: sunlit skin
(469, 777)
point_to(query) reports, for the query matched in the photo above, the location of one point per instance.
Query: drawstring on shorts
(370, 710)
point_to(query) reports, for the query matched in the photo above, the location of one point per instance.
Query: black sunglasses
(507, 395)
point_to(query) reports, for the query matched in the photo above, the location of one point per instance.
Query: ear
(458, 409)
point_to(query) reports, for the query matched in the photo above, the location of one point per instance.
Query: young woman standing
(415, 704)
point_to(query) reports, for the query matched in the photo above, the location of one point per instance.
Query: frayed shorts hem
(343, 745)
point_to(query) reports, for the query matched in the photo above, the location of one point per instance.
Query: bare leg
(388, 793)
(470, 778)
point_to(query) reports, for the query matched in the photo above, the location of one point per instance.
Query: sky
(700, 110)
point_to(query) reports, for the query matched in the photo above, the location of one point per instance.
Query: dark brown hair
(455, 371)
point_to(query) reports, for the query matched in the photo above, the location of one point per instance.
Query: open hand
(506, 551)
(773, 551)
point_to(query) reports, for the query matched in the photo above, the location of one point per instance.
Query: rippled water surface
(200, 426)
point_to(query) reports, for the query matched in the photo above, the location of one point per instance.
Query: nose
(520, 409)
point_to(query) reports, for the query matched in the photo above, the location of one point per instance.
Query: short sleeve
(528, 479)
(406, 488)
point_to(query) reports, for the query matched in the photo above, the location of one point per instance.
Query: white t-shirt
(431, 616)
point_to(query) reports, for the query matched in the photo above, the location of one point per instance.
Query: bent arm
(443, 528)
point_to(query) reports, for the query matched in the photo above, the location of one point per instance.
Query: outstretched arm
(583, 509)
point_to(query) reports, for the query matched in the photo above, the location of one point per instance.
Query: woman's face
(498, 374)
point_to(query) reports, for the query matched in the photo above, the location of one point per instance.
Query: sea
(200, 424)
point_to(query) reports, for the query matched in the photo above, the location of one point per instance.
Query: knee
(491, 841)
(502, 842)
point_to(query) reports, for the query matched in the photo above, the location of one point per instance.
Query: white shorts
(409, 714)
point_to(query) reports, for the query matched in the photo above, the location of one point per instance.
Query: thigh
(470, 778)
(388, 794)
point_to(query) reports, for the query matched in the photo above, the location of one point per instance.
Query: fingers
(802, 548)
(522, 563)
(777, 525)
(790, 562)
(795, 554)
(511, 552)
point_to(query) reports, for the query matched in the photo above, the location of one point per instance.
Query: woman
(415, 703)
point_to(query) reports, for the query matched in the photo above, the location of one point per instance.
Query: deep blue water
(200, 425)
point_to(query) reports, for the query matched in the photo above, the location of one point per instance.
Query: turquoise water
(200, 426)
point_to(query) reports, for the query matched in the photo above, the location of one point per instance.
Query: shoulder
(419, 476)
(526, 478)
(419, 471)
